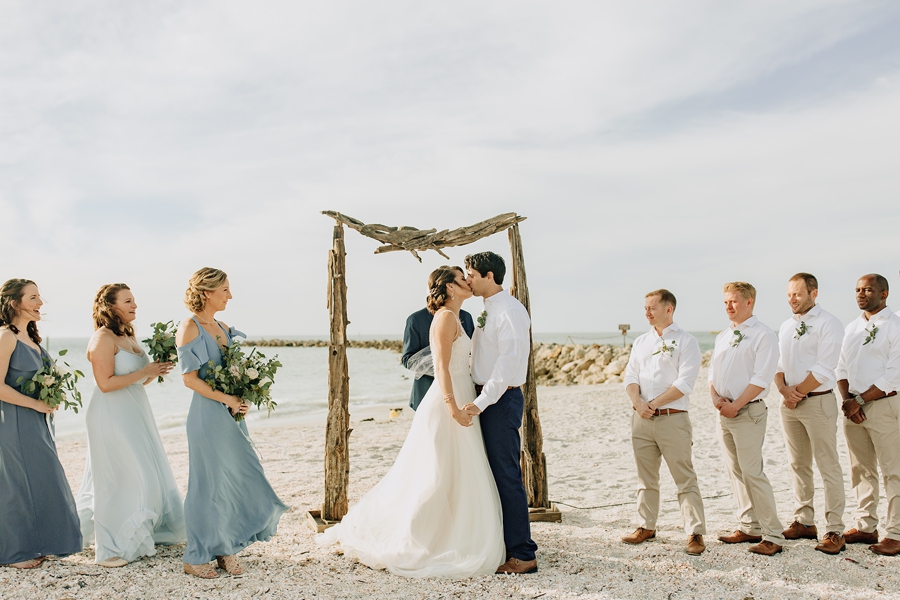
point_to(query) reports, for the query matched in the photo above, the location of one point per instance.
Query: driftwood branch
(412, 240)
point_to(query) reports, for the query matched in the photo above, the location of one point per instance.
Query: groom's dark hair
(487, 262)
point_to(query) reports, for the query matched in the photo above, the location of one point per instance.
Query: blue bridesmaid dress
(37, 509)
(229, 503)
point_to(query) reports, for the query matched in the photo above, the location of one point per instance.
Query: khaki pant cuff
(775, 539)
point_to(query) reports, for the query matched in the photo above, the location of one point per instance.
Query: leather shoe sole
(739, 537)
(765, 548)
(518, 567)
(855, 536)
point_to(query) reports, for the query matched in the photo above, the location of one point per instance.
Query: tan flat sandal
(230, 564)
(204, 571)
(28, 564)
(113, 563)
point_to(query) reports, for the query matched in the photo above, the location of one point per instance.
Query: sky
(649, 144)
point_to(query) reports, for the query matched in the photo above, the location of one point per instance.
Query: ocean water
(301, 385)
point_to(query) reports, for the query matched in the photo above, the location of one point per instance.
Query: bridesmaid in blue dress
(37, 510)
(230, 503)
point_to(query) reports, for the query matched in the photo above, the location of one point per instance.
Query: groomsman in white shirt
(659, 378)
(868, 377)
(742, 368)
(810, 344)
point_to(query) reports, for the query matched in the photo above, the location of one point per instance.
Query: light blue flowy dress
(230, 503)
(129, 500)
(37, 509)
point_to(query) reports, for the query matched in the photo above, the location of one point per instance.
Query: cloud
(649, 144)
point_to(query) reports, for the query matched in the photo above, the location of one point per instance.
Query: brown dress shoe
(855, 536)
(798, 530)
(639, 536)
(739, 537)
(833, 543)
(886, 547)
(695, 544)
(765, 548)
(520, 567)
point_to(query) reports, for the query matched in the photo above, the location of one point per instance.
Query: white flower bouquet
(53, 383)
(247, 376)
(161, 344)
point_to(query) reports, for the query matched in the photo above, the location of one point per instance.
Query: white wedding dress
(437, 512)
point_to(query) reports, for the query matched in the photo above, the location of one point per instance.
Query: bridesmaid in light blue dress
(230, 503)
(37, 510)
(128, 501)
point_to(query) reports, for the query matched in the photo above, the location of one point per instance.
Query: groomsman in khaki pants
(810, 344)
(868, 377)
(743, 365)
(660, 375)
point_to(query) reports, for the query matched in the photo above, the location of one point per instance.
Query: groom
(499, 367)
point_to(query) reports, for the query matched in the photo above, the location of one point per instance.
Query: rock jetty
(393, 345)
(578, 364)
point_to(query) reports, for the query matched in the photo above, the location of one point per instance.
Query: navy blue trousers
(500, 424)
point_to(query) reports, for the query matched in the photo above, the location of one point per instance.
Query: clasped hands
(726, 407)
(464, 415)
(792, 396)
(853, 410)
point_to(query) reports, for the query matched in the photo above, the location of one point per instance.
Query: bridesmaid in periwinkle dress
(37, 510)
(230, 503)
(128, 500)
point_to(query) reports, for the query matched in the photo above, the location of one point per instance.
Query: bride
(437, 512)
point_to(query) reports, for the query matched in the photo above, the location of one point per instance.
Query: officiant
(416, 353)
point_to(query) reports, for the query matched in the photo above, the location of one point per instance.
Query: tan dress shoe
(695, 545)
(639, 536)
(832, 543)
(798, 530)
(765, 548)
(739, 537)
(855, 536)
(113, 563)
(519, 567)
(886, 547)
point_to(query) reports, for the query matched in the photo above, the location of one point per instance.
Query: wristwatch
(859, 400)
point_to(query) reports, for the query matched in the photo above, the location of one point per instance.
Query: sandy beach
(592, 478)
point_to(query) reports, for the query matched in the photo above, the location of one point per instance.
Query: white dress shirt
(656, 369)
(816, 351)
(752, 361)
(501, 349)
(876, 363)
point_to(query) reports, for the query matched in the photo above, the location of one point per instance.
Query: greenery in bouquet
(247, 376)
(54, 384)
(161, 345)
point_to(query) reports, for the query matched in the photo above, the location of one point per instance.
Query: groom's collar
(495, 298)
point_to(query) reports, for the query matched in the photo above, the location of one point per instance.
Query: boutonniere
(664, 349)
(738, 338)
(872, 330)
(802, 330)
(482, 319)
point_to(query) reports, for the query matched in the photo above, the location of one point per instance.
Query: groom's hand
(472, 409)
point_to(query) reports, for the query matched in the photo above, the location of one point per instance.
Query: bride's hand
(463, 418)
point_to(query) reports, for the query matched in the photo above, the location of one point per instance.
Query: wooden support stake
(534, 468)
(337, 431)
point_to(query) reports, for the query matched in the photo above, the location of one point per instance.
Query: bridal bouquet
(162, 344)
(53, 383)
(247, 376)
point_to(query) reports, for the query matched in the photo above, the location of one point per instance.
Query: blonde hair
(743, 288)
(206, 279)
(105, 315)
(665, 297)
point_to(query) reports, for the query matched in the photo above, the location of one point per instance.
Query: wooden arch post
(337, 431)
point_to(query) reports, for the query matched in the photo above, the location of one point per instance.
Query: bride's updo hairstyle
(437, 286)
(104, 313)
(206, 279)
(10, 295)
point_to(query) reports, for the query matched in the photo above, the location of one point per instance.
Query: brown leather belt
(478, 388)
(662, 412)
(811, 394)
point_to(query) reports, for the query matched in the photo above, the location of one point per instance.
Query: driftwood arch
(337, 431)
